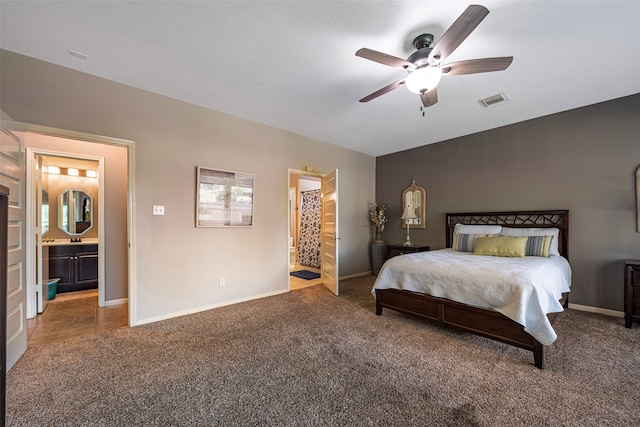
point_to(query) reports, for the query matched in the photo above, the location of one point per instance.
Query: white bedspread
(523, 289)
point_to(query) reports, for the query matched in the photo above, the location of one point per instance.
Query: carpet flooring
(309, 358)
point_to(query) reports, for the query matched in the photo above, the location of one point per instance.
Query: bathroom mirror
(75, 212)
(414, 197)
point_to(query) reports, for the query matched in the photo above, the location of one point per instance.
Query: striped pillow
(538, 246)
(467, 242)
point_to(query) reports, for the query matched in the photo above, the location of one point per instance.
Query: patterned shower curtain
(309, 239)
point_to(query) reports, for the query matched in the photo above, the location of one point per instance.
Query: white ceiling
(291, 65)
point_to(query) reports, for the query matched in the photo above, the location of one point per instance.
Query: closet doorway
(305, 209)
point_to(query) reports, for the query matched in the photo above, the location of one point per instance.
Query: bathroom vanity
(74, 260)
(76, 264)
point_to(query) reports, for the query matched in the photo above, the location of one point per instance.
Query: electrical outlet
(223, 282)
(158, 210)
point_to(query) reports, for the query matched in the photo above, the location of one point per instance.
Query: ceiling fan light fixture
(423, 80)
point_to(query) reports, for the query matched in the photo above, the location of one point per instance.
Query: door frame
(299, 172)
(131, 235)
(31, 153)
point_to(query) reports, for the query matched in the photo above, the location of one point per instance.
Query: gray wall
(583, 160)
(177, 266)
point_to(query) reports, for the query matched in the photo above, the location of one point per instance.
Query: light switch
(158, 210)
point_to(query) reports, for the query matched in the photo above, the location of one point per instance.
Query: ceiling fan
(425, 65)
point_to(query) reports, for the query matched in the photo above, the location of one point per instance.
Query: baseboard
(353, 276)
(206, 307)
(598, 310)
(116, 302)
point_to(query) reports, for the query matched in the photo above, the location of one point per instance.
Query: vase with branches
(378, 218)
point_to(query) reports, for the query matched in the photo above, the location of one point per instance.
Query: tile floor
(296, 283)
(74, 314)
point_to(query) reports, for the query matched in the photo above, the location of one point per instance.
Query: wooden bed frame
(481, 321)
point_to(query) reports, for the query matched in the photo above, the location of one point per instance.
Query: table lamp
(408, 214)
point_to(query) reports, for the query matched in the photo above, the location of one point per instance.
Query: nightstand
(395, 250)
(631, 292)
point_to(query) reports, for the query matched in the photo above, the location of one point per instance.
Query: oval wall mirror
(75, 212)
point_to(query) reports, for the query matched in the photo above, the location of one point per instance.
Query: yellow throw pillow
(506, 246)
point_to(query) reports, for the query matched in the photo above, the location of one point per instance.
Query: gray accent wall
(583, 160)
(177, 266)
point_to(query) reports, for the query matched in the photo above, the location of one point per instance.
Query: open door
(330, 238)
(12, 177)
(42, 298)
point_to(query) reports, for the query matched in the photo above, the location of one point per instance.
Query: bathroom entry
(302, 238)
(305, 220)
(305, 225)
(67, 194)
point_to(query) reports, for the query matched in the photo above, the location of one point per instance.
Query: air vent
(78, 54)
(495, 99)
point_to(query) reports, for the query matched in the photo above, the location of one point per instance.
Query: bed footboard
(480, 321)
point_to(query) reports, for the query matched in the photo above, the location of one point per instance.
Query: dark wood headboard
(526, 219)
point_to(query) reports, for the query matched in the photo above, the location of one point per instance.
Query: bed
(396, 286)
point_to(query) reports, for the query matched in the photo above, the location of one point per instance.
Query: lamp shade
(409, 213)
(423, 80)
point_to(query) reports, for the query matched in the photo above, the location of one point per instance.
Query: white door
(12, 176)
(330, 240)
(42, 288)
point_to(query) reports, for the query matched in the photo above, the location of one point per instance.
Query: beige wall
(583, 160)
(178, 265)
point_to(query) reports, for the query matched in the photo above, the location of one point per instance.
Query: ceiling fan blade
(383, 58)
(459, 31)
(429, 98)
(474, 66)
(382, 91)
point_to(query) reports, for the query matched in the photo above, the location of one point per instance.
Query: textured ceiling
(291, 65)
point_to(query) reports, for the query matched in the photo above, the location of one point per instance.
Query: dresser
(395, 250)
(631, 292)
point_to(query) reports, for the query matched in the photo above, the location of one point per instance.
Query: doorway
(67, 196)
(108, 206)
(23, 137)
(82, 276)
(304, 229)
(329, 246)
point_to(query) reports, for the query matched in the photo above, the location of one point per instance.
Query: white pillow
(477, 229)
(553, 249)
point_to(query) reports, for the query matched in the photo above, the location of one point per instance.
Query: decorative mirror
(75, 212)
(414, 199)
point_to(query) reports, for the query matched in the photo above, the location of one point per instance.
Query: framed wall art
(224, 198)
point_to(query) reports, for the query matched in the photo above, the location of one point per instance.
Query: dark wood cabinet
(631, 292)
(75, 265)
(395, 250)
